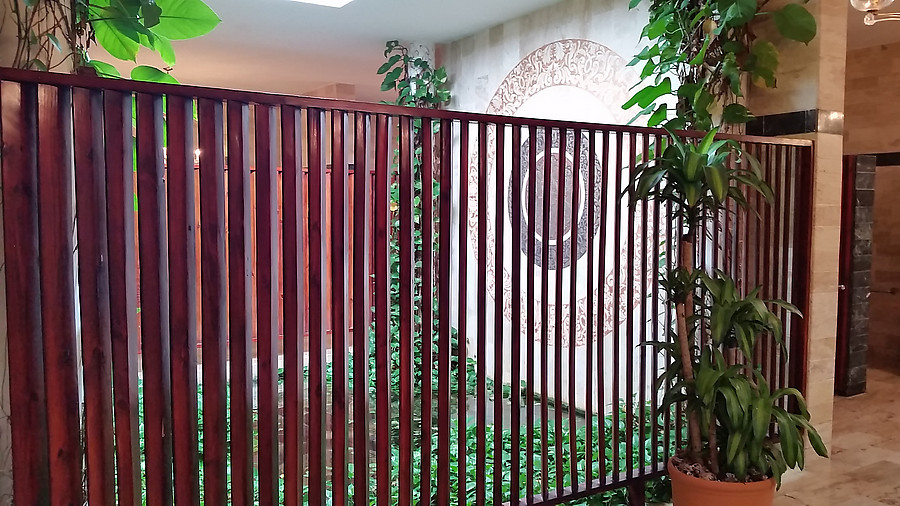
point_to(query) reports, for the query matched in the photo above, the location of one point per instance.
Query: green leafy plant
(709, 47)
(51, 32)
(416, 82)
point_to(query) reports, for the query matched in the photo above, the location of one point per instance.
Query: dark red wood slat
(530, 313)
(340, 323)
(93, 277)
(777, 259)
(589, 209)
(362, 307)
(383, 416)
(315, 142)
(56, 215)
(18, 125)
(267, 302)
(481, 339)
(630, 317)
(516, 323)
(500, 215)
(601, 316)
(182, 296)
(803, 169)
(573, 304)
(787, 201)
(616, 317)
(240, 312)
(294, 302)
(123, 292)
(559, 206)
(462, 335)
(427, 304)
(154, 300)
(545, 304)
(660, 330)
(213, 300)
(644, 268)
(406, 150)
(444, 301)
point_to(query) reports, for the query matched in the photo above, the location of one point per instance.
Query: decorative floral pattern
(594, 68)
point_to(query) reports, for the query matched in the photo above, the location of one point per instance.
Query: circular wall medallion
(575, 80)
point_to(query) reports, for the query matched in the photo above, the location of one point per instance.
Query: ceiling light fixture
(327, 3)
(872, 8)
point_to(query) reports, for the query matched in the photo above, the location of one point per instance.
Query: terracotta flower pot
(691, 491)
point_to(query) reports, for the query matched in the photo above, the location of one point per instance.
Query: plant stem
(683, 311)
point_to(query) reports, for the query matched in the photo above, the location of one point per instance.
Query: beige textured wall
(812, 77)
(884, 306)
(872, 122)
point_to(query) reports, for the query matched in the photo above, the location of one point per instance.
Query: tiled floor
(864, 468)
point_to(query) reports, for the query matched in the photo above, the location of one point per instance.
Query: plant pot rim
(676, 473)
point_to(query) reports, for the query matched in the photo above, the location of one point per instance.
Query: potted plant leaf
(708, 47)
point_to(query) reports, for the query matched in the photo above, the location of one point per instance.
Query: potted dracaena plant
(708, 47)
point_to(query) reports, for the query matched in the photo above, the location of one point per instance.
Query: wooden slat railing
(460, 299)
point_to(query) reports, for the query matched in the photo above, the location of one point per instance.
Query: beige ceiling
(859, 35)
(290, 47)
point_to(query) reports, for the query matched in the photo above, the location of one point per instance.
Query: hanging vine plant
(53, 33)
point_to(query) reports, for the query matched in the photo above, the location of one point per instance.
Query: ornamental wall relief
(576, 80)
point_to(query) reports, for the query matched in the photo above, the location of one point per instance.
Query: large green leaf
(152, 74)
(736, 114)
(118, 40)
(649, 94)
(737, 12)
(185, 19)
(795, 22)
(104, 69)
(163, 46)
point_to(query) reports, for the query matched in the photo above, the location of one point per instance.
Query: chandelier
(872, 8)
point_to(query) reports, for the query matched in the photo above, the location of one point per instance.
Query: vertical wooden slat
(93, 275)
(573, 305)
(516, 299)
(362, 308)
(123, 292)
(545, 316)
(616, 320)
(530, 313)
(294, 303)
(427, 304)
(405, 238)
(18, 124)
(213, 300)
(629, 304)
(589, 208)
(803, 168)
(182, 296)
(267, 303)
(787, 200)
(444, 302)
(382, 309)
(500, 187)
(644, 268)
(653, 286)
(559, 210)
(462, 335)
(481, 339)
(154, 300)
(340, 323)
(56, 215)
(240, 319)
(317, 293)
(601, 306)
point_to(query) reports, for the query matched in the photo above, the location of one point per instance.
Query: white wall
(569, 62)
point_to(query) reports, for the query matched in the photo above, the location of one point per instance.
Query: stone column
(809, 103)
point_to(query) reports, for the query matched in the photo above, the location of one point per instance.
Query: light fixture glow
(871, 8)
(326, 3)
